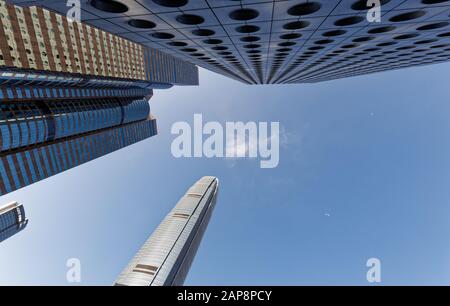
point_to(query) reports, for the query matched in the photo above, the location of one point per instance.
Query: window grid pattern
(24, 167)
(39, 39)
(37, 92)
(12, 220)
(27, 124)
(171, 248)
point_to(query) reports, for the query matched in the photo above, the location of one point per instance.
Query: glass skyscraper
(166, 257)
(281, 41)
(12, 220)
(70, 93)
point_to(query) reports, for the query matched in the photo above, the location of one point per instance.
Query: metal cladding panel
(167, 255)
(283, 41)
(39, 39)
(181, 274)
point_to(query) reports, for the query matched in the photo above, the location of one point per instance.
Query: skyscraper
(281, 41)
(70, 93)
(166, 257)
(12, 220)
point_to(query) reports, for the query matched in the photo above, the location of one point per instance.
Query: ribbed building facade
(166, 257)
(70, 93)
(39, 39)
(280, 41)
(12, 220)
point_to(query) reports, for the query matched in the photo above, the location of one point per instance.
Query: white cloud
(241, 147)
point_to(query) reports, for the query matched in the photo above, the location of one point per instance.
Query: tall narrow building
(12, 220)
(280, 41)
(70, 93)
(166, 257)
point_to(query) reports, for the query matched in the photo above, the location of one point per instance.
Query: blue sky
(364, 172)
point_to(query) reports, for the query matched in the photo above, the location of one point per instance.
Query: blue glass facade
(12, 220)
(22, 167)
(47, 128)
(23, 124)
